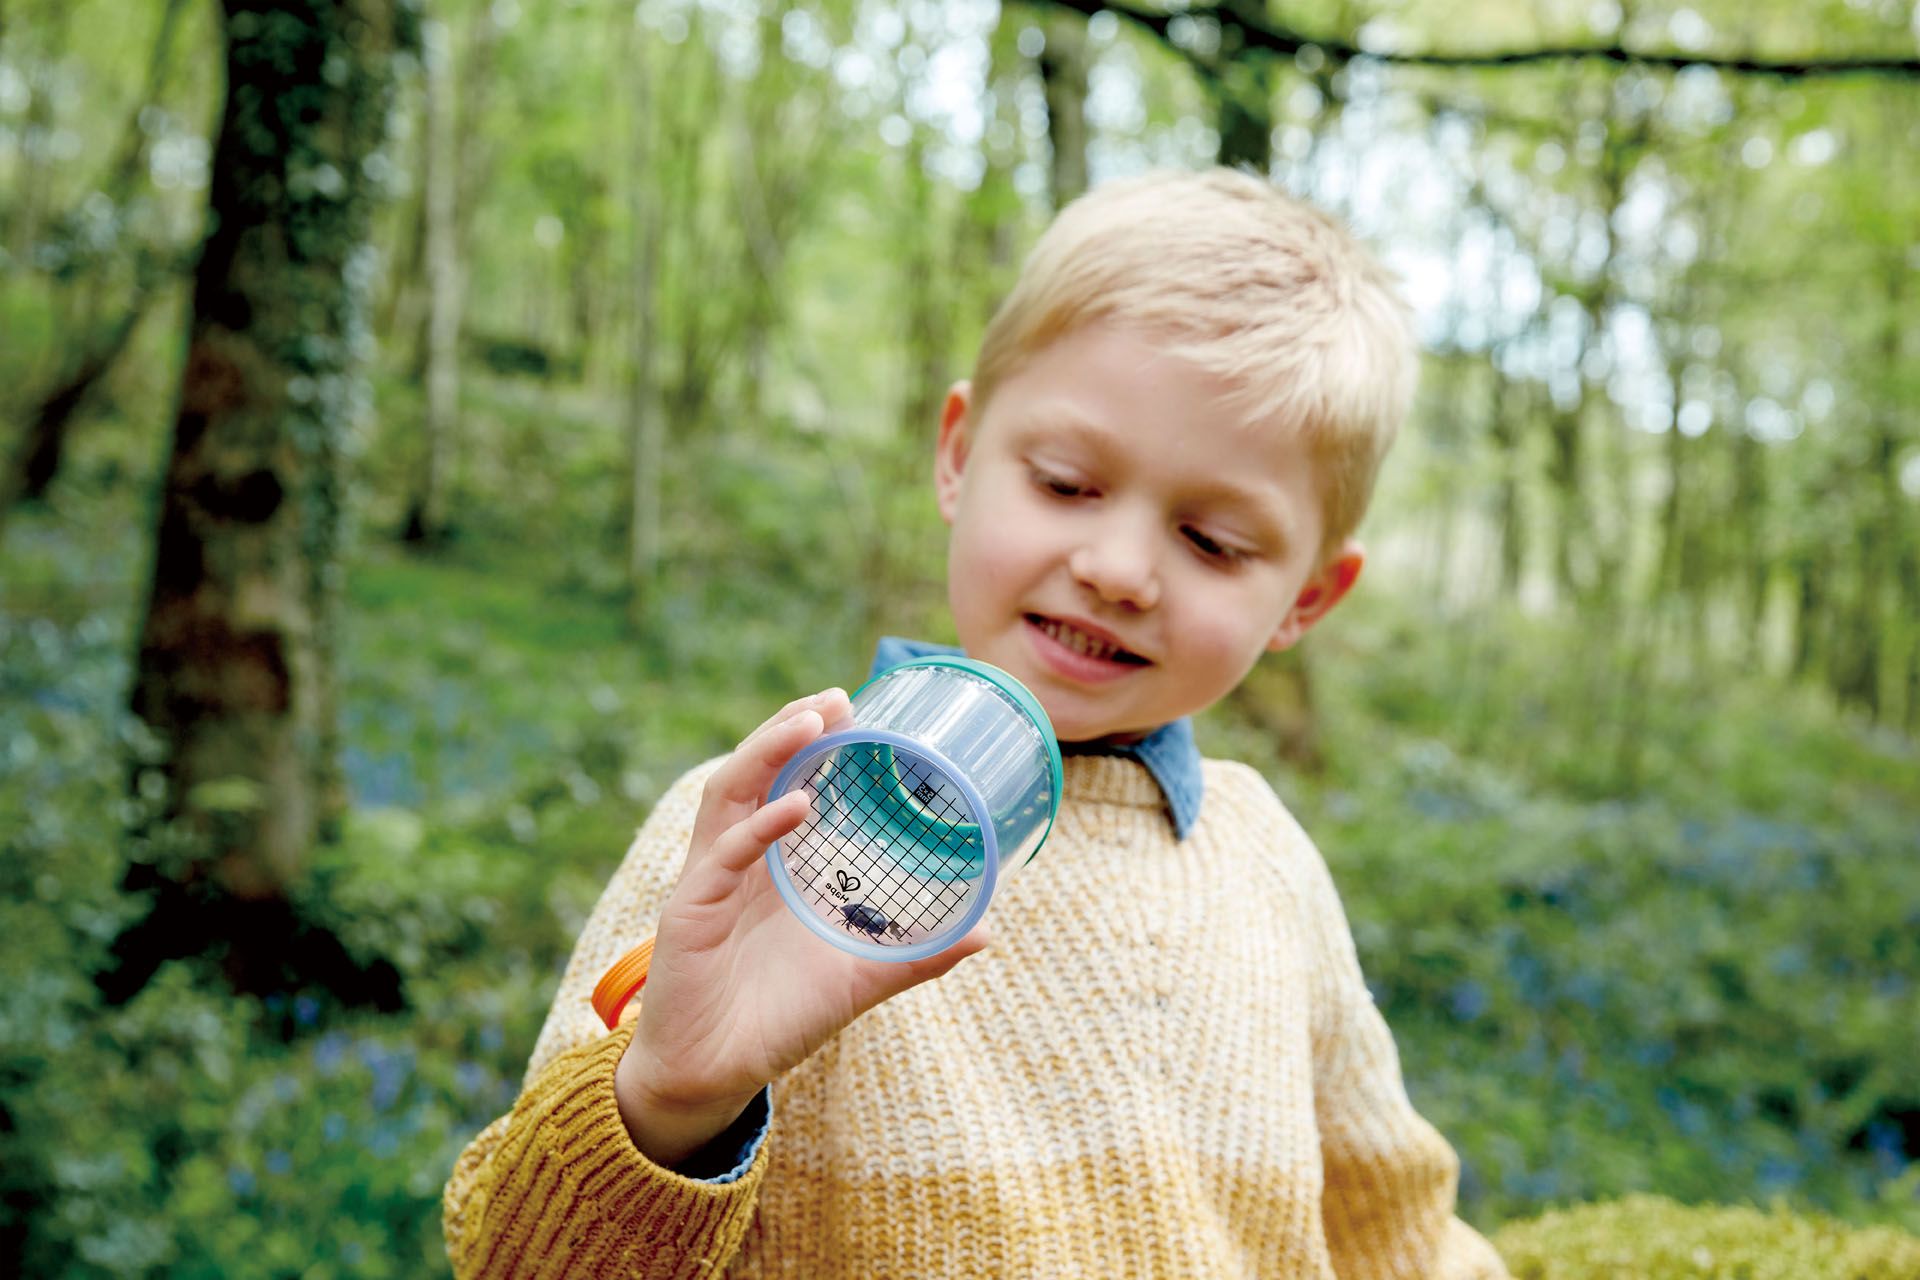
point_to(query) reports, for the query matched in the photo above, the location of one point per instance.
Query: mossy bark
(236, 654)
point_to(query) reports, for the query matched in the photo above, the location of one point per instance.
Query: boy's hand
(739, 990)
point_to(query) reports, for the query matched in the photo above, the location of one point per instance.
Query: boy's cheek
(995, 547)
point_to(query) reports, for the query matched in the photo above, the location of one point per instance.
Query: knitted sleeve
(1389, 1177)
(556, 1187)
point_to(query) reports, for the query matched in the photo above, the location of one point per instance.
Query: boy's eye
(1214, 550)
(1056, 486)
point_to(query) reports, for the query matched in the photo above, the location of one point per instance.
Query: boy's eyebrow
(1269, 522)
(1051, 417)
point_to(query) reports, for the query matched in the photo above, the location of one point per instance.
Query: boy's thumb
(891, 980)
(943, 962)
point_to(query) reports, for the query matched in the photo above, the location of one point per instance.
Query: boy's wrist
(667, 1124)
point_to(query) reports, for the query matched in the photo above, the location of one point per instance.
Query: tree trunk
(1242, 87)
(646, 424)
(983, 251)
(21, 227)
(409, 308)
(1277, 698)
(927, 308)
(1564, 468)
(1503, 411)
(1881, 533)
(37, 460)
(1244, 110)
(1063, 72)
(1809, 608)
(43, 447)
(235, 667)
(899, 467)
(427, 513)
(1750, 502)
(1666, 573)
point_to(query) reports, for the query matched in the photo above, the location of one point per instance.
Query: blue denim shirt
(1170, 755)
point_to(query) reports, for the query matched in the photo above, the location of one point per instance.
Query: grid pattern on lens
(879, 892)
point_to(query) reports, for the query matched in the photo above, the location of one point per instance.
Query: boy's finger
(836, 708)
(792, 708)
(833, 707)
(815, 700)
(742, 844)
(742, 780)
(884, 979)
(738, 784)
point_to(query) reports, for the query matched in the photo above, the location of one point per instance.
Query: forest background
(550, 394)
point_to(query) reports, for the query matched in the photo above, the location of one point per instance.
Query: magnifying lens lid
(949, 769)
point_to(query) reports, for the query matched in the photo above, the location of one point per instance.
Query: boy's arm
(1389, 1177)
(556, 1186)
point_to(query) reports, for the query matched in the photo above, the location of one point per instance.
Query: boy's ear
(1322, 590)
(950, 455)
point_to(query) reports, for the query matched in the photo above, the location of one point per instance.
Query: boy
(1167, 1064)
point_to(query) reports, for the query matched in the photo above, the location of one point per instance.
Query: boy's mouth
(1070, 637)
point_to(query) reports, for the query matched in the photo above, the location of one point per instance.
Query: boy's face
(1108, 496)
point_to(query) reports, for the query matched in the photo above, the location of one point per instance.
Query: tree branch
(1263, 34)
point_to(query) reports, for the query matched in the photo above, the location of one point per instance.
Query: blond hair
(1245, 282)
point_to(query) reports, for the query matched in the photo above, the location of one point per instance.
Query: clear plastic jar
(948, 777)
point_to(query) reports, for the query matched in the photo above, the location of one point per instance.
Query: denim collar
(1169, 752)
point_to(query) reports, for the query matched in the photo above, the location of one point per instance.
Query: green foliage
(1647, 1238)
(191, 1134)
(1695, 980)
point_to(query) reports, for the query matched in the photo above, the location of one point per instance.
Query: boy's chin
(1119, 738)
(1084, 725)
(1097, 733)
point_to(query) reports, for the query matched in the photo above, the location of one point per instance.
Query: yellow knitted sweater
(1165, 1065)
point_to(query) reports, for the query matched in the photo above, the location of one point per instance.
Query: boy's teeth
(1077, 642)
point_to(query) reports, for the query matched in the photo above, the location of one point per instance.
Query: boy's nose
(1117, 572)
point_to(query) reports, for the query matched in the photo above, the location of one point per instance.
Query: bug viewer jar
(947, 780)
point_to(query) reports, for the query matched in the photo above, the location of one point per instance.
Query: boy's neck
(1114, 740)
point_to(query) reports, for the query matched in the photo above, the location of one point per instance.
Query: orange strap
(621, 983)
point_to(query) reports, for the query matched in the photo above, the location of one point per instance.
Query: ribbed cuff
(572, 1196)
(732, 1152)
